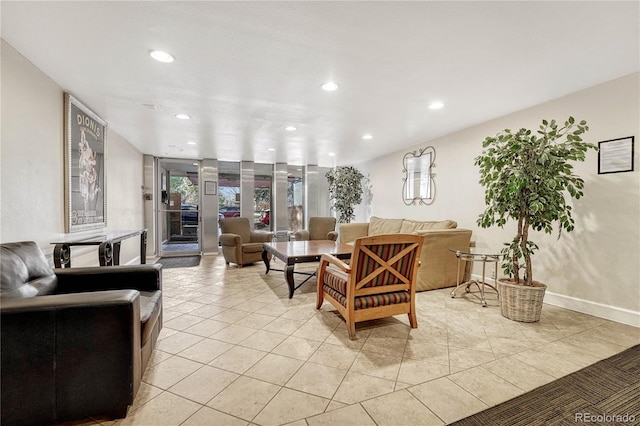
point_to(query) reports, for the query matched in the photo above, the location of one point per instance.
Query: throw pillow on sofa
(379, 226)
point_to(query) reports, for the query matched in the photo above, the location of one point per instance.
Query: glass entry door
(179, 214)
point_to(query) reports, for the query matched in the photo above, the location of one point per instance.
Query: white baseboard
(600, 310)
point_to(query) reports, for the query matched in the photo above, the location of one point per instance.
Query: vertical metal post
(149, 202)
(312, 193)
(209, 206)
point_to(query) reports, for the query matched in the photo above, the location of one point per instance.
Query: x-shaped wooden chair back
(383, 264)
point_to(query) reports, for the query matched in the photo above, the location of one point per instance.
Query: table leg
(116, 254)
(484, 267)
(288, 275)
(143, 247)
(105, 253)
(265, 259)
(458, 283)
(62, 256)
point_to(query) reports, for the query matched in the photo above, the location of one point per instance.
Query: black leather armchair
(74, 342)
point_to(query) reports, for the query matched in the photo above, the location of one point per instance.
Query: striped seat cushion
(371, 301)
(336, 280)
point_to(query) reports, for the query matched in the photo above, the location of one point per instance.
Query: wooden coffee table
(293, 252)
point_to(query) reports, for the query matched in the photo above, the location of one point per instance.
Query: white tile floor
(235, 350)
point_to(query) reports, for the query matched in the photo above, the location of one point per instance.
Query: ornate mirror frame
(418, 182)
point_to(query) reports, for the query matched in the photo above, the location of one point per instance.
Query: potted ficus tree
(528, 177)
(345, 191)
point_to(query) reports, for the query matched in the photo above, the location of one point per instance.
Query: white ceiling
(246, 70)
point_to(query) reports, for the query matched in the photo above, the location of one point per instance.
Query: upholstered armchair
(74, 342)
(320, 228)
(379, 281)
(241, 245)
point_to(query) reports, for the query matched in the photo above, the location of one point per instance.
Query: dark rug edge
(179, 261)
(519, 411)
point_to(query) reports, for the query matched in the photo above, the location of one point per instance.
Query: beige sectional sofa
(438, 265)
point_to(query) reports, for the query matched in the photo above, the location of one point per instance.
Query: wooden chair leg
(413, 321)
(351, 328)
(320, 298)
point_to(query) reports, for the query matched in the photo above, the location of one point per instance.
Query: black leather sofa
(74, 342)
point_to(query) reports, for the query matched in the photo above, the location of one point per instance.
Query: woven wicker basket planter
(520, 302)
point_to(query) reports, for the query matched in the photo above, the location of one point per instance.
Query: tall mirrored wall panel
(311, 192)
(262, 196)
(229, 189)
(295, 198)
(280, 202)
(247, 185)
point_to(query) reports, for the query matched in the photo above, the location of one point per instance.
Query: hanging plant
(345, 191)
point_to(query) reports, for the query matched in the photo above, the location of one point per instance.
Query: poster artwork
(87, 169)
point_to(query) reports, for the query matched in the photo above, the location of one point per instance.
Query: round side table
(475, 254)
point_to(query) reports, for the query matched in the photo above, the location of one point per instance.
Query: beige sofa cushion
(410, 226)
(378, 226)
(349, 232)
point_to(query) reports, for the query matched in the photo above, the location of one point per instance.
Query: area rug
(179, 262)
(607, 392)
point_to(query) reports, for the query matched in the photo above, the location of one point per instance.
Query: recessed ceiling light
(290, 128)
(436, 105)
(271, 149)
(367, 136)
(330, 86)
(331, 154)
(191, 143)
(183, 116)
(161, 56)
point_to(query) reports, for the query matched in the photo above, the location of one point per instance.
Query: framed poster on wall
(615, 155)
(85, 180)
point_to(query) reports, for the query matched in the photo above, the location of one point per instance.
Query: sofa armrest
(261, 236)
(302, 235)
(350, 232)
(231, 240)
(332, 235)
(440, 267)
(69, 356)
(136, 277)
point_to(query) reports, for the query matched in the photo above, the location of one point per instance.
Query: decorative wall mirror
(418, 184)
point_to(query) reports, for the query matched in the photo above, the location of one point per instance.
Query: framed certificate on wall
(615, 155)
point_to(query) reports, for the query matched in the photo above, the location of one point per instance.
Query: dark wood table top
(306, 251)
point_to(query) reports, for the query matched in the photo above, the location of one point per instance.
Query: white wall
(593, 269)
(32, 165)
